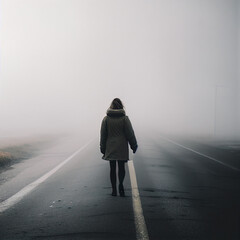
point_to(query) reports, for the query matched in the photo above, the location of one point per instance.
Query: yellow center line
(140, 225)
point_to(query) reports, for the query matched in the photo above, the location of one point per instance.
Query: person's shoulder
(104, 119)
(126, 119)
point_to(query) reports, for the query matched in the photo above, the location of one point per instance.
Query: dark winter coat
(116, 133)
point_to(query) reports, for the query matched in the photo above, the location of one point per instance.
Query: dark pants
(121, 172)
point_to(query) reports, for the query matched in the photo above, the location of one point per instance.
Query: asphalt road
(184, 195)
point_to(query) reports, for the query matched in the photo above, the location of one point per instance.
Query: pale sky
(173, 63)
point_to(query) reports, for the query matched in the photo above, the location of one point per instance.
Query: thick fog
(174, 63)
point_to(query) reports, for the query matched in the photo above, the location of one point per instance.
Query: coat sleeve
(103, 135)
(130, 135)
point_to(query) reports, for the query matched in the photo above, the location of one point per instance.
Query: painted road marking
(26, 190)
(140, 225)
(201, 154)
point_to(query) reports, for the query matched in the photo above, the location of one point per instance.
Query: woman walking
(116, 133)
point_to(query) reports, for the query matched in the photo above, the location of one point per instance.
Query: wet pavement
(183, 195)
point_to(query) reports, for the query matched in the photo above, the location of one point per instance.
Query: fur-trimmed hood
(116, 112)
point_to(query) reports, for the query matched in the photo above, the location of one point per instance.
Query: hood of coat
(115, 112)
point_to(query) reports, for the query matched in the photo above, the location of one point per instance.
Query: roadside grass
(14, 153)
(5, 158)
(16, 150)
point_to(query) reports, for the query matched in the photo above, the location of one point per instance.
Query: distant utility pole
(215, 108)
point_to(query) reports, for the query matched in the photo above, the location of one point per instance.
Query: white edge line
(26, 190)
(140, 225)
(201, 154)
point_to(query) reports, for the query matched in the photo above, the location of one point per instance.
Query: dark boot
(121, 190)
(114, 191)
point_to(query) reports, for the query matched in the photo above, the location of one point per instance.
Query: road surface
(184, 193)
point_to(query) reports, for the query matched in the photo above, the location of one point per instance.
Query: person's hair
(116, 104)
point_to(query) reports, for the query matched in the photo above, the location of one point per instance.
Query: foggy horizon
(174, 64)
(167, 168)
